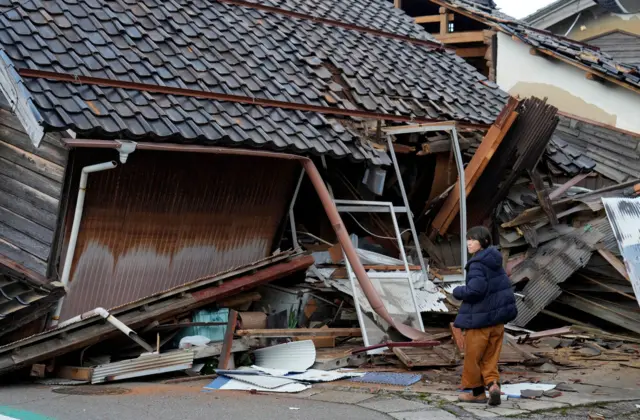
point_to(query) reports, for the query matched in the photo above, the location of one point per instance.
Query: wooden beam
(476, 167)
(472, 52)
(302, 332)
(397, 4)
(615, 263)
(444, 21)
(403, 148)
(75, 373)
(224, 362)
(433, 18)
(460, 37)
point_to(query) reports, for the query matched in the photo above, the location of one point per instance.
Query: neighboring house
(577, 78)
(82, 78)
(612, 26)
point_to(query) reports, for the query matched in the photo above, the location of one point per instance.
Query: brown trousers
(482, 349)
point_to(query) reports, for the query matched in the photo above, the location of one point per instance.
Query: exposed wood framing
(460, 37)
(444, 21)
(397, 4)
(615, 262)
(445, 175)
(478, 163)
(543, 196)
(433, 18)
(471, 52)
(441, 146)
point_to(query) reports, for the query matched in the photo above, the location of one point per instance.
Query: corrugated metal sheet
(549, 266)
(519, 151)
(145, 365)
(164, 219)
(624, 215)
(297, 356)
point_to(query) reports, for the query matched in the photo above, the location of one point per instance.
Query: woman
(488, 303)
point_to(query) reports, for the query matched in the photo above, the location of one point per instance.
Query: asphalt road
(151, 402)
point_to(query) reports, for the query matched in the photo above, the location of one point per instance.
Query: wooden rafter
(460, 37)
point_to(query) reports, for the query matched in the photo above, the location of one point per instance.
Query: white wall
(566, 86)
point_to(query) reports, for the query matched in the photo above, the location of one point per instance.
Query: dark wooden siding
(30, 188)
(164, 219)
(622, 46)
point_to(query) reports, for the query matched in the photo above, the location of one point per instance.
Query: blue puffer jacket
(487, 298)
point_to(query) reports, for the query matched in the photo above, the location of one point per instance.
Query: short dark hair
(480, 234)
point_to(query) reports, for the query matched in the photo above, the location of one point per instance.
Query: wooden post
(397, 4)
(444, 21)
(225, 354)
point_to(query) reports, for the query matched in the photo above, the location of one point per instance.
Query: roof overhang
(557, 12)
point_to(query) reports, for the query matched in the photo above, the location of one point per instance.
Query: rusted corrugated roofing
(164, 219)
(549, 266)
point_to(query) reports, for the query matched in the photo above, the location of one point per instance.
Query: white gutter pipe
(111, 320)
(75, 228)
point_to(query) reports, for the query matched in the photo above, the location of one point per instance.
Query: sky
(521, 8)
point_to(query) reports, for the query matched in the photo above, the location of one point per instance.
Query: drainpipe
(125, 147)
(111, 320)
(75, 228)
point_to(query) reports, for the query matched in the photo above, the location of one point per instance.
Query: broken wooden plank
(542, 334)
(567, 185)
(615, 262)
(416, 357)
(476, 167)
(75, 373)
(225, 354)
(543, 196)
(301, 332)
(601, 311)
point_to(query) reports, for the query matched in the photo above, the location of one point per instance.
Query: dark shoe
(494, 394)
(468, 397)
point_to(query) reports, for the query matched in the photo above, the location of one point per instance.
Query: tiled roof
(22, 301)
(378, 15)
(224, 48)
(568, 158)
(576, 53)
(580, 146)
